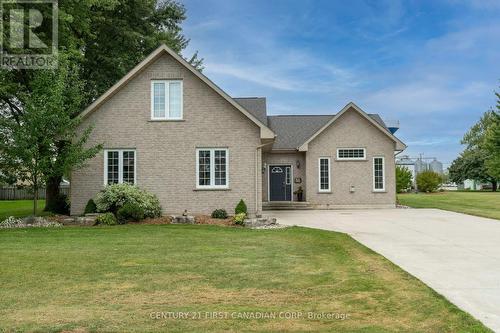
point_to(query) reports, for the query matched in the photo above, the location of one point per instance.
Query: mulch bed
(205, 219)
(156, 220)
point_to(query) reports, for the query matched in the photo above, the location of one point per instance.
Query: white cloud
(432, 141)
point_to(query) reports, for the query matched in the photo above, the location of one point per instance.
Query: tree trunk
(35, 199)
(52, 191)
(494, 186)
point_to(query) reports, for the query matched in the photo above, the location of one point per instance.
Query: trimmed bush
(130, 212)
(241, 207)
(60, 205)
(90, 208)
(219, 214)
(239, 218)
(115, 196)
(106, 219)
(428, 181)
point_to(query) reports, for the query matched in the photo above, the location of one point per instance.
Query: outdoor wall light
(298, 164)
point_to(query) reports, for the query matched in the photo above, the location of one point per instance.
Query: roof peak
(249, 97)
(302, 115)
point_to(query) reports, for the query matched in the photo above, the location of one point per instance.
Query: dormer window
(166, 100)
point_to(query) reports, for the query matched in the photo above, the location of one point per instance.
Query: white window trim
(120, 165)
(329, 189)
(351, 158)
(212, 169)
(167, 100)
(383, 174)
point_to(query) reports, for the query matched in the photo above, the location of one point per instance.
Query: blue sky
(432, 65)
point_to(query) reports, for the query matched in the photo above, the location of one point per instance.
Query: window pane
(324, 174)
(220, 167)
(351, 153)
(175, 96)
(378, 173)
(128, 166)
(159, 100)
(112, 167)
(204, 167)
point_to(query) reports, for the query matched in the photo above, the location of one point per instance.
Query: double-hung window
(324, 174)
(212, 168)
(119, 166)
(166, 100)
(378, 174)
(351, 154)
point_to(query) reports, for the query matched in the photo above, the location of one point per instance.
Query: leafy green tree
(428, 181)
(481, 157)
(403, 178)
(105, 39)
(492, 143)
(31, 142)
(471, 164)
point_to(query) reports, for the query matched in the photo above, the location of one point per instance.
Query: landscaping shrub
(90, 208)
(115, 196)
(106, 219)
(240, 218)
(403, 179)
(219, 214)
(59, 205)
(428, 181)
(241, 207)
(130, 212)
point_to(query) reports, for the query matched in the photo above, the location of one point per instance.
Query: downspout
(257, 171)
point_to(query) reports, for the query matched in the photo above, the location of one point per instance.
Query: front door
(280, 184)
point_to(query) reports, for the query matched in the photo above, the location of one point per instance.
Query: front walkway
(455, 254)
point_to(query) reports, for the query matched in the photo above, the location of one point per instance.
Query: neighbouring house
(171, 131)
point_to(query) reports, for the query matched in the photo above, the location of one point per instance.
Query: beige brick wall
(285, 158)
(166, 150)
(351, 130)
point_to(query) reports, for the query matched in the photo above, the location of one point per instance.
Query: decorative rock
(88, 219)
(182, 219)
(260, 222)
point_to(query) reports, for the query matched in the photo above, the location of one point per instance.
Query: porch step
(285, 205)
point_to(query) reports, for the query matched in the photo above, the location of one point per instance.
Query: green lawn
(18, 208)
(115, 279)
(485, 204)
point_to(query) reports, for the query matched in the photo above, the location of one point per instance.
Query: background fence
(15, 193)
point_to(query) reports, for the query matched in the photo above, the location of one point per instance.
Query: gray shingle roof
(292, 131)
(255, 105)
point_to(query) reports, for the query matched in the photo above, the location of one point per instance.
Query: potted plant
(299, 193)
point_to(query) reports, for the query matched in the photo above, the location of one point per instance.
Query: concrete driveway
(455, 254)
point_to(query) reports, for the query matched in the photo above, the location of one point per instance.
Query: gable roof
(265, 132)
(294, 130)
(351, 106)
(255, 105)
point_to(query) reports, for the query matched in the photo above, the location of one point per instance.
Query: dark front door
(280, 184)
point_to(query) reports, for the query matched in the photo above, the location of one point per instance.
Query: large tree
(492, 143)
(471, 165)
(481, 158)
(31, 142)
(106, 39)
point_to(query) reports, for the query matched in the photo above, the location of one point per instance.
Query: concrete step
(285, 205)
